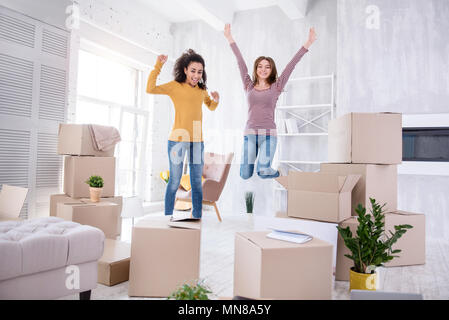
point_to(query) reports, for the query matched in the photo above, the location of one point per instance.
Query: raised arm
(212, 104)
(151, 84)
(246, 79)
(282, 80)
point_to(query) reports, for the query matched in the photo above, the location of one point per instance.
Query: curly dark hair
(183, 62)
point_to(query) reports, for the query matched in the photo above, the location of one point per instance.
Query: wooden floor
(217, 265)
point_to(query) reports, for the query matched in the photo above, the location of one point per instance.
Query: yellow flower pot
(362, 281)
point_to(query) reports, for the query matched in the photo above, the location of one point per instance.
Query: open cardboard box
(319, 196)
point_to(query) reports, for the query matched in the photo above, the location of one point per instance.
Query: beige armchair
(215, 173)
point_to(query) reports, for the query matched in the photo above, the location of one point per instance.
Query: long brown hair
(183, 62)
(273, 75)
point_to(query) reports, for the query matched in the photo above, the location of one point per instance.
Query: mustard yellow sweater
(188, 102)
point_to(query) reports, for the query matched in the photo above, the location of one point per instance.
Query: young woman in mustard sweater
(188, 92)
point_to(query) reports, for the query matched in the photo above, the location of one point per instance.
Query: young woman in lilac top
(262, 92)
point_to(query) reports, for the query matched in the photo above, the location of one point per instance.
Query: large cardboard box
(102, 215)
(163, 258)
(412, 243)
(63, 198)
(326, 231)
(366, 138)
(78, 169)
(266, 268)
(75, 139)
(376, 181)
(113, 266)
(319, 196)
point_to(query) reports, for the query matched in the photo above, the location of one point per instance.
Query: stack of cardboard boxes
(370, 145)
(364, 150)
(80, 162)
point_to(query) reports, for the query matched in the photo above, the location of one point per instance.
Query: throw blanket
(104, 137)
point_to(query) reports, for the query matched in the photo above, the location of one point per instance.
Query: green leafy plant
(371, 247)
(249, 200)
(95, 182)
(191, 292)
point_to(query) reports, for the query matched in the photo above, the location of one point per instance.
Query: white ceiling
(218, 12)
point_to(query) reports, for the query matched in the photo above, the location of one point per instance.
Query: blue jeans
(265, 147)
(195, 154)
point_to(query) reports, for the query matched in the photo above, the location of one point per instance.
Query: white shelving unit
(282, 110)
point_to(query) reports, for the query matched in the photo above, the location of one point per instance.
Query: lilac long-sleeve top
(261, 103)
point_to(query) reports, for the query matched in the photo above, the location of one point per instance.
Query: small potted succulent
(191, 292)
(96, 184)
(370, 247)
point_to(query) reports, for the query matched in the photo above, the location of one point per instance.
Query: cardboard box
(102, 215)
(11, 202)
(366, 138)
(326, 231)
(60, 198)
(113, 266)
(377, 181)
(63, 198)
(319, 196)
(78, 169)
(412, 243)
(266, 268)
(163, 258)
(75, 139)
(344, 264)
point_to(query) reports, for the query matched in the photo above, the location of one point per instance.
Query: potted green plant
(371, 246)
(96, 185)
(249, 201)
(191, 292)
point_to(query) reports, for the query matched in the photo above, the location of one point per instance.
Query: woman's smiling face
(194, 73)
(263, 69)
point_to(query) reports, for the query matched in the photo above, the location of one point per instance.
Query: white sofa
(48, 258)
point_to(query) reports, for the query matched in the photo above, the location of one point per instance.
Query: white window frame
(141, 107)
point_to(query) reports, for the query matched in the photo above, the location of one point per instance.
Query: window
(109, 94)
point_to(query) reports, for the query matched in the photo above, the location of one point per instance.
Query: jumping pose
(262, 93)
(188, 92)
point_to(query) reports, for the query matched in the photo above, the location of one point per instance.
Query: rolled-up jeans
(263, 146)
(195, 155)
